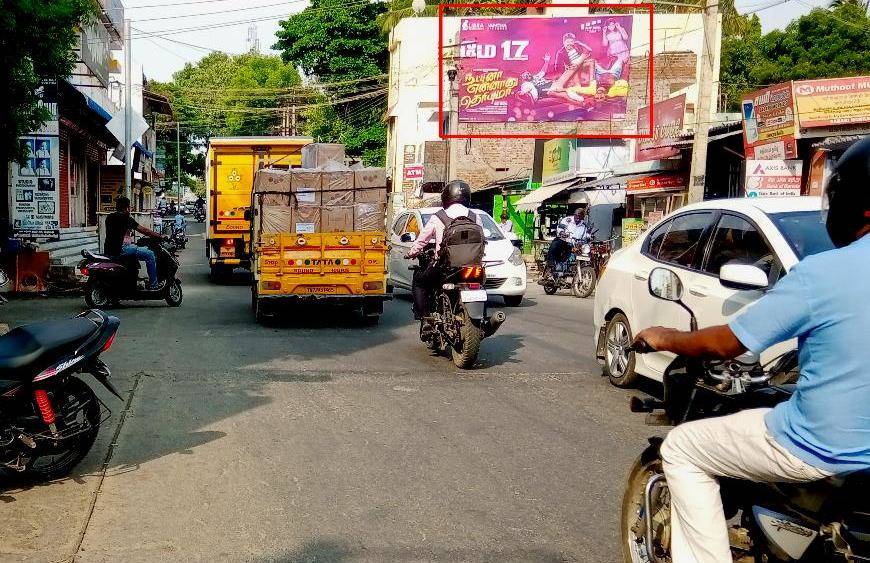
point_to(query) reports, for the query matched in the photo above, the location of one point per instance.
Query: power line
(216, 12)
(172, 4)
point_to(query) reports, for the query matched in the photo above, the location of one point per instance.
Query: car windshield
(490, 229)
(804, 232)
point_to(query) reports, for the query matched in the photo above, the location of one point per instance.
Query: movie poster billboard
(669, 116)
(544, 69)
(833, 102)
(769, 123)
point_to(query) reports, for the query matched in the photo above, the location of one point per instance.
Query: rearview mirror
(742, 277)
(408, 237)
(247, 214)
(665, 284)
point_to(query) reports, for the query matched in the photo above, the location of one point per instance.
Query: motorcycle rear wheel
(174, 295)
(97, 296)
(75, 399)
(632, 525)
(470, 338)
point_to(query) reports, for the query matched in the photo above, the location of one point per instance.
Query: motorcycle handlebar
(640, 347)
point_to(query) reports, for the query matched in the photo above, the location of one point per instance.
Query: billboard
(769, 123)
(657, 183)
(557, 158)
(35, 195)
(773, 178)
(669, 115)
(544, 69)
(832, 101)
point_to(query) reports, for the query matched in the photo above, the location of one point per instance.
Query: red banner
(668, 125)
(657, 183)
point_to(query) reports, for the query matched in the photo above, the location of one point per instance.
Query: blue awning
(143, 150)
(98, 109)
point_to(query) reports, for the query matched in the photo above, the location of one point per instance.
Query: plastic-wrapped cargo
(370, 195)
(274, 184)
(369, 178)
(369, 216)
(336, 218)
(337, 184)
(306, 218)
(315, 155)
(306, 184)
(275, 218)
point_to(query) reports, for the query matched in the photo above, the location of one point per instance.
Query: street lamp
(451, 77)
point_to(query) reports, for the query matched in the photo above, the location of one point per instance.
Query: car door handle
(642, 276)
(699, 290)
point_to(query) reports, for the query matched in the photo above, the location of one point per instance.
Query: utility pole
(178, 156)
(698, 174)
(293, 120)
(128, 112)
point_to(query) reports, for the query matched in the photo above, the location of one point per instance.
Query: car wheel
(618, 360)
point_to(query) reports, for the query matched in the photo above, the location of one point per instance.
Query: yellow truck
(231, 164)
(308, 250)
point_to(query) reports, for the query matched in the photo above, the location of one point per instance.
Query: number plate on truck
(321, 289)
(228, 252)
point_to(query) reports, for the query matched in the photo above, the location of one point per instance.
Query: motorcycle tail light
(85, 271)
(109, 342)
(472, 273)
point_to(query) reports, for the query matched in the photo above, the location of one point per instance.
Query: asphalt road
(322, 440)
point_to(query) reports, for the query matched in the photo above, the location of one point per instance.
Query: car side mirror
(408, 237)
(743, 277)
(665, 284)
(248, 215)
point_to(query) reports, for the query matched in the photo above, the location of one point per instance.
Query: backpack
(463, 242)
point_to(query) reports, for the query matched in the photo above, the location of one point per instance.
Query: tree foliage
(37, 38)
(223, 95)
(341, 44)
(821, 44)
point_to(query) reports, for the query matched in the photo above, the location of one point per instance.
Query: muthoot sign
(832, 102)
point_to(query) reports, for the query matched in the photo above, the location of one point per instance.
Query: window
(413, 225)
(399, 226)
(654, 241)
(681, 244)
(737, 241)
(804, 232)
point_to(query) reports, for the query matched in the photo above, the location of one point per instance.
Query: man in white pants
(824, 428)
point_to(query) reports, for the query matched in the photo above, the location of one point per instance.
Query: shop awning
(143, 150)
(534, 199)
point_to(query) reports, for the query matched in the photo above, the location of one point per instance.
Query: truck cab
(230, 167)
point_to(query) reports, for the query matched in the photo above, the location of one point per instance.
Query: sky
(159, 26)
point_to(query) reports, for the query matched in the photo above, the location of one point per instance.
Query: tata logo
(234, 177)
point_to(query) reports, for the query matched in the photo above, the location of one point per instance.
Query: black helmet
(456, 191)
(846, 201)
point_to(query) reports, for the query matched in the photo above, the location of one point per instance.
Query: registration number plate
(228, 252)
(473, 295)
(321, 289)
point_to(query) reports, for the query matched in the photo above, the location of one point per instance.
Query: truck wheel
(219, 272)
(371, 313)
(259, 313)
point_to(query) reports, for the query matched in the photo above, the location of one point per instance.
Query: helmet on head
(456, 191)
(846, 201)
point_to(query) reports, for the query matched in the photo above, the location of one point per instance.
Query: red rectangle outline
(442, 135)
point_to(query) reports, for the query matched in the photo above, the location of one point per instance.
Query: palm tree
(864, 5)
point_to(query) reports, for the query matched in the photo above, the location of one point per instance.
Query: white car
(695, 241)
(505, 268)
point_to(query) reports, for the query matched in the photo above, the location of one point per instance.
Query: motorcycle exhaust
(494, 322)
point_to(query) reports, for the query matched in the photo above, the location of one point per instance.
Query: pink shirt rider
(435, 228)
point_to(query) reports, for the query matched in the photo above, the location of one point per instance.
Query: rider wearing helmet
(455, 200)
(823, 428)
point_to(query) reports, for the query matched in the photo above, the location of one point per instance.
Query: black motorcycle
(459, 321)
(821, 521)
(49, 418)
(199, 214)
(110, 280)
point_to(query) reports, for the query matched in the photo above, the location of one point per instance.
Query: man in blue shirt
(824, 428)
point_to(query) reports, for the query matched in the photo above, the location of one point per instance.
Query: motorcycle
(49, 418)
(821, 521)
(591, 259)
(459, 321)
(178, 232)
(109, 280)
(199, 214)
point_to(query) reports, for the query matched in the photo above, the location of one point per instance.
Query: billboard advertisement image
(833, 101)
(773, 178)
(669, 115)
(769, 123)
(544, 69)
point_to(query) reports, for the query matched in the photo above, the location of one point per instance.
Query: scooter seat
(26, 350)
(98, 257)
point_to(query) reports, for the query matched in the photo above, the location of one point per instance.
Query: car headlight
(516, 257)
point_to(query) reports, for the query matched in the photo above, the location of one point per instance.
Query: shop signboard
(413, 172)
(657, 183)
(832, 102)
(557, 158)
(631, 230)
(773, 178)
(668, 124)
(544, 69)
(769, 124)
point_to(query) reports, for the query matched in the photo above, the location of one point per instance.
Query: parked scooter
(111, 280)
(821, 521)
(459, 317)
(49, 418)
